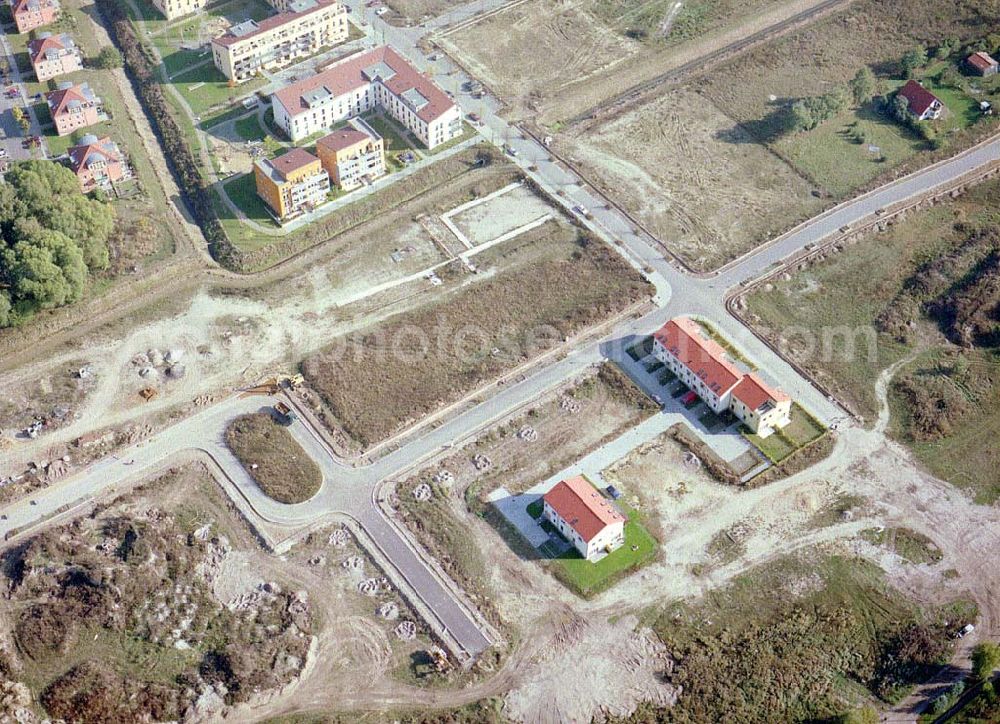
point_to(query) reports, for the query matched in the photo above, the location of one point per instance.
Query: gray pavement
(350, 490)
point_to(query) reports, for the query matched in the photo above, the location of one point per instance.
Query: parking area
(14, 140)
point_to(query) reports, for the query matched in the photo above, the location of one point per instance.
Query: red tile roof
(292, 161)
(344, 138)
(981, 61)
(270, 23)
(58, 100)
(583, 508)
(348, 75)
(80, 155)
(753, 392)
(25, 6)
(920, 98)
(38, 46)
(684, 339)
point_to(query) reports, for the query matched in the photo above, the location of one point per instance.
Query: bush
(985, 659)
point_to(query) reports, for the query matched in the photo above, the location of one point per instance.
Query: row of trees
(51, 236)
(807, 113)
(141, 66)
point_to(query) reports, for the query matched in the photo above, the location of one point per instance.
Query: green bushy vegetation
(51, 238)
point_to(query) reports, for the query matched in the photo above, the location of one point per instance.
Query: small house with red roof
(74, 106)
(922, 103)
(703, 365)
(54, 55)
(31, 14)
(584, 517)
(98, 163)
(982, 64)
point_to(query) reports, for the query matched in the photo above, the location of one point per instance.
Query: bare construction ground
(690, 175)
(377, 382)
(553, 60)
(414, 11)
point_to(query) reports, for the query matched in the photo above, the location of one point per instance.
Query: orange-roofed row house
(702, 365)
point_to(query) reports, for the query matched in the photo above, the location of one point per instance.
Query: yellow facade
(288, 192)
(347, 166)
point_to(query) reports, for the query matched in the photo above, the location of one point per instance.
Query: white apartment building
(178, 8)
(303, 29)
(379, 78)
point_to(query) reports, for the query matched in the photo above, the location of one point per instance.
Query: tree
(899, 108)
(863, 86)
(108, 59)
(985, 659)
(864, 715)
(21, 118)
(45, 269)
(4, 309)
(50, 193)
(913, 59)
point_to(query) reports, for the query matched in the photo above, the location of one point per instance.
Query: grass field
(693, 177)
(659, 21)
(242, 191)
(803, 638)
(826, 318)
(588, 578)
(754, 89)
(396, 373)
(273, 458)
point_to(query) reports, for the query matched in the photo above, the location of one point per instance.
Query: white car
(581, 210)
(382, 11)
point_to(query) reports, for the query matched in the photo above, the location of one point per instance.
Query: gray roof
(415, 98)
(379, 70)
(244, 28)
(317, 95)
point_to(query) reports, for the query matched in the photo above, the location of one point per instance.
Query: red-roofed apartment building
(98, 163)
(73, 107)
(702, 365)
(982, 64)
(379, 78)
(922, 103)
(584, 517)
(31, 14)
(54, 55)
(302, 28)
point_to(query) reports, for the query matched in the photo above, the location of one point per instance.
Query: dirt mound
(615, 668)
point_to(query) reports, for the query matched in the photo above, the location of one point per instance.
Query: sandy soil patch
(494, 218)
(538, 47)
(697, 180)
(615, 666)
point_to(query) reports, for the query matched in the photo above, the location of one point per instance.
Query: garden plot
(498, 216)
(697, 180)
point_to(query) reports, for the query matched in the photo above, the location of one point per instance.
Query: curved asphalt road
(350, 490)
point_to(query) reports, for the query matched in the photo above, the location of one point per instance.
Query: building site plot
(691, 176)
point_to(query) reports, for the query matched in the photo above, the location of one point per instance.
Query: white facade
(718, 402)
(612, 536)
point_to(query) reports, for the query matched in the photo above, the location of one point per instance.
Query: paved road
(350, 490)
(13, 134)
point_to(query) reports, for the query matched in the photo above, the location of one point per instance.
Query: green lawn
(588, 579)
(802, 430)
(830, 157)
(243, 192)
(396, 139)
(205, 88)
(249, 129)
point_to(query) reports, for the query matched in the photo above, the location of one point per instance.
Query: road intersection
(353, 491)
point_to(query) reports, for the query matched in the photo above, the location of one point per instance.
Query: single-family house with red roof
(98, 163)
(54, 55)
(982, 64)
(922, 103)
(74, 106)
(584, 517)
(31, 14)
